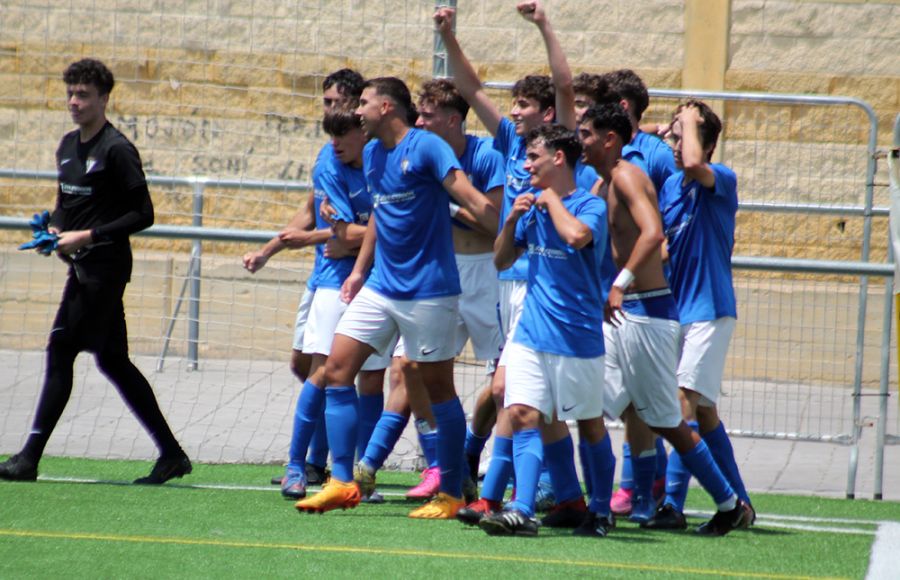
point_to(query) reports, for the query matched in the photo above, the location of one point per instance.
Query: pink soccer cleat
(428, 487)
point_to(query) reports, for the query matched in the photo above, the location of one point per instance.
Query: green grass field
(84, 520)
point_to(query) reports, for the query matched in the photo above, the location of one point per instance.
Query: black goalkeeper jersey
(102, 188)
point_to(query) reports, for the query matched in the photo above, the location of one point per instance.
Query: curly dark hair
(626, 84)
(348, 82)
(557, 138)
(537, 87)
(609, 116)
(591, 85)
(89, 71)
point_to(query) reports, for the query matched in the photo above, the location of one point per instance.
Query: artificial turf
(225, 521)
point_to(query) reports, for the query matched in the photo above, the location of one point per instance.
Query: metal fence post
(194, 273)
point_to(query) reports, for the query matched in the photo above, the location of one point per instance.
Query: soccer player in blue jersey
(642, 309)
(413, 288)
(555, 365)
(700, 203)
(338, 89)
(534, 103)
(442, 111)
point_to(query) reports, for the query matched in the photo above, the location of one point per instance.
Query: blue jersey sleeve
(488, 172)
(521, 234)
(338, 194)
(593, 215)
(726, 181)
(437, 156)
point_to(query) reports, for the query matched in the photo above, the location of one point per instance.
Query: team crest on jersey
(89, 164)
(404, 166)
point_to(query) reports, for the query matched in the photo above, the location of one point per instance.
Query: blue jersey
(323, 159)
(699, 224)
(656, 159)
(483, 166)
(518, 181)
(414, 256)
(345, 188)
(563, 310)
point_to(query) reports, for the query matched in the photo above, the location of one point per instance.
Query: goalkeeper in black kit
(101, 200)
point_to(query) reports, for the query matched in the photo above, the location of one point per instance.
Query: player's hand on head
(443, 19)
(690, 114)
(254, 261)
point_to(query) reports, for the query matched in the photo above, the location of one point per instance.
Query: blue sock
(428, 441)
(720, 446)
(644, 472)
(370, 408)
(677, 478)
(318, 447)
(451, 438)
(310, 405)
(342, 422)
(584, 452)
(527, 457)
(561, 465)
(662, 459)
(627, 479)
(475, 443)
(385, 436)
(701, 464)
(499, 471)
(601, 473)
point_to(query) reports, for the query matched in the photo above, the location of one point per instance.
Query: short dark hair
(444, 94)
(626, 84)
(89, 71)
(591, 85)
(557, 138)
(609, 116)
(397, 91)
(537, 87)
(348, 82)
(710, 125)
(339, 122)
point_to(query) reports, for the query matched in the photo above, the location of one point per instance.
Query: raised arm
(464, 76)
(533, 11)
(693, 155)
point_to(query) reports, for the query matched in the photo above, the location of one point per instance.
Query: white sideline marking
(766, 520)
(885, 559)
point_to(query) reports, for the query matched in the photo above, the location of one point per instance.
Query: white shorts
(615, 396)
(428, 326)
(512, 299)
(478, 315)
(704, 348)
(573, 387)
(648, 354)
(302, 315)
(324, 316)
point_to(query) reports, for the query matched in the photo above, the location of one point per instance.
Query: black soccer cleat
(723, 522)
(666, 518)
(316, 475)
(165, 469)
(509, 523)
(17, 468)
(568, 514)
(594, 525)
